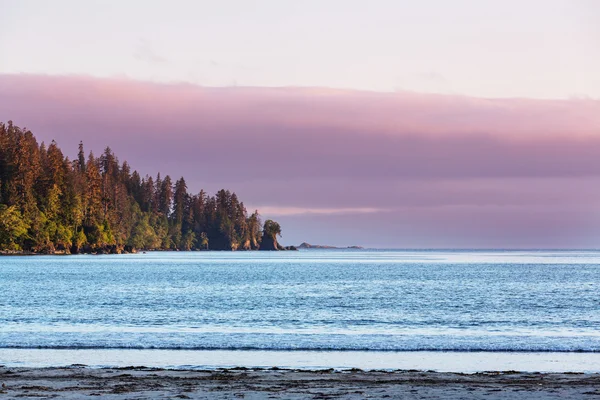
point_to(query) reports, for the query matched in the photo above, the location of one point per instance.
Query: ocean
(444, 310)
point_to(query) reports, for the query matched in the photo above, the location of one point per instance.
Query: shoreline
(78, 381)
(439, 361)
(135, 251)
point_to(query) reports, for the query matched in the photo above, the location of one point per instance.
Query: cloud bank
(384, 169)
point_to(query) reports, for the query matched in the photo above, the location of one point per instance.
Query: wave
(481, 349)
(581, 343)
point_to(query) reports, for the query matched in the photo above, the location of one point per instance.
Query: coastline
(134, 251)
(78, 381)
(440, 361)
(208, 359)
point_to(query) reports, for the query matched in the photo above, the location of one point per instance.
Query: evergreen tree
(48, 204)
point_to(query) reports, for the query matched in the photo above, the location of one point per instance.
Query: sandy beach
(77, 382)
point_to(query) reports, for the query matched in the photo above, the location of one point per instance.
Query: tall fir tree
(49, 203)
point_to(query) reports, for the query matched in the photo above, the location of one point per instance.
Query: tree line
(49, 204)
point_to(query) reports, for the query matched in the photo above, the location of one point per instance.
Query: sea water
(477, 310)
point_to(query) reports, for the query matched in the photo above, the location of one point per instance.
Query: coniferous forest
(95, 204)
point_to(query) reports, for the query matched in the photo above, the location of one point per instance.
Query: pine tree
(48, 204)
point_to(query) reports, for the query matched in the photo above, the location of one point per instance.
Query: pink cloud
(404, 155)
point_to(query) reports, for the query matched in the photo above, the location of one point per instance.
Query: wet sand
(77, 382)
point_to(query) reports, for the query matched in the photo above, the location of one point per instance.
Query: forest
(50, 204)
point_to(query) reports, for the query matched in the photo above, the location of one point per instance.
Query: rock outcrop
(269, 242)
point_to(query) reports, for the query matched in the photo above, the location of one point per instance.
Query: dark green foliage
(272, 228)
(270, 232)
(49, 203)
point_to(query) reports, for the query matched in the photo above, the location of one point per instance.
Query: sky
(383, 123)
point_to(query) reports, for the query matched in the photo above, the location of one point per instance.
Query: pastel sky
(384, 123)
(496, 48)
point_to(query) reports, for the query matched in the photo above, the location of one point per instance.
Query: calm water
(317, 300)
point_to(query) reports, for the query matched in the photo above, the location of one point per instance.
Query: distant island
(50, 204)
(305, 245)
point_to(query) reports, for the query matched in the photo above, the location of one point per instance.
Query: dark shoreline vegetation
(50, 204)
